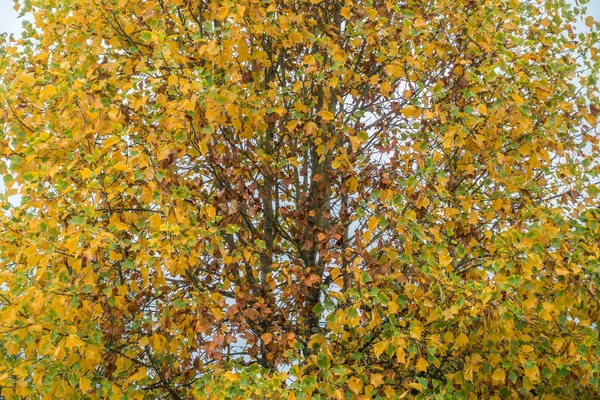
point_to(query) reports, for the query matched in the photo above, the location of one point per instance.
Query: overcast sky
(9, 22)
(8, 17)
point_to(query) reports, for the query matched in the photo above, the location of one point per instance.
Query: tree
(300, 199)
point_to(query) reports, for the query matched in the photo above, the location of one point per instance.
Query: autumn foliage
(294, 199)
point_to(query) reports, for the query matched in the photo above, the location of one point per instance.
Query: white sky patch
(9, 21)
(593, 9)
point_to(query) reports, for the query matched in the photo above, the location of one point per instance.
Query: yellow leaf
(533, 373)
(71, 244)
(30, 251)
(140, 374)
(85, 384)
(352, 184)
(73, 341)
(355, 142)
(461, 341)
(129, 28)
(499, 376)
(114, 256)
(416, 330)
(223, 13)
(558, 343)
(394, 70)
(113, 113)
(355, 385)
(28, 79)
(400, 355)
(291, 125)
(518, 99)
(448, 139)
(8, 316)
(310, 128)
(422, 364)
(38, 301)
(376, 380)
(155, 221)
(211, 211)
(232, 376)
(420, 22)
(217, 313)
(309, 60)
(410, 112)
(448, 337)
(121, 166)
(47, 92)
(210, 115)
(482, 109)
(121, 226)
(392, 393)
(85, 173)
(525, 150)
(589, 21)
(111, 140)
(497, 204)
(445, 258)
(379, 347)
(346, 13)
(325, 115)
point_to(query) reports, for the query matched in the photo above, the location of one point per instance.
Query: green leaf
(318, 309)
(179, 304)
(366, 278)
